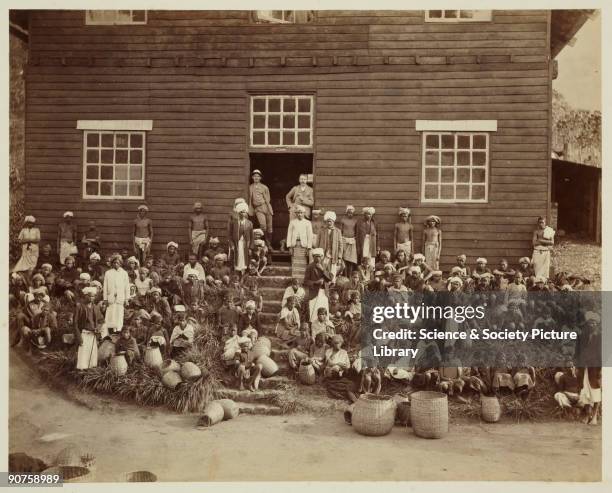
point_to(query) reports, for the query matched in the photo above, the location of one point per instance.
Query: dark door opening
(280, 173)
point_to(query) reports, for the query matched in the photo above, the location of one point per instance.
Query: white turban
(418, 256)
(588, 316)
(350, 208)
(481, 260)
(68, 214)
(317, 251)
(250, 304)
(172, 243)
(29, 219)
(85, 276)
(214, 239)
(371, 210)
(242, 207)
(456, 279)
(179, 309)
(404, 210)
(329, 215)
(298, 208)
(94, 256)
(90, 290)
(524, 259)
(239, 200)
(258, 232)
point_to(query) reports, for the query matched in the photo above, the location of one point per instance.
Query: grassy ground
(579, 257)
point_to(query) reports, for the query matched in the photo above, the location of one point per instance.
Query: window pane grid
(114, 164)
(281, 121)
(114, 17)
(450, 171)
(458, 15)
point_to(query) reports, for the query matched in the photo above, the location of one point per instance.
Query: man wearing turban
(365, 234)
(330, 241)
(241, 237)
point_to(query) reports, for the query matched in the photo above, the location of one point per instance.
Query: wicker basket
(119, 365)
(230, 408)
(374, 415)
(190, 371)
(69, 456)
(70, 474)
(429, 414)
(213, 414)
(171, 379)
(306, 373)
(263, 346)
(490, 410)
(269, 366)
(170, 365)
(153, 357)
(140, 477)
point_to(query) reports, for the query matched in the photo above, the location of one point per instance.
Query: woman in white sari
(116, 293)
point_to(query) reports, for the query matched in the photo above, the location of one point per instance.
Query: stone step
(272, 292)
(277, 269)
(271, 306)
(261, 409)
(263, 396)
(273, 282)
(276, 382)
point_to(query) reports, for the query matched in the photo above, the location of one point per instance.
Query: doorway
(280, 173)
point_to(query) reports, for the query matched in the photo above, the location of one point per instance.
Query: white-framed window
(115, 17)
(285, 16)
(458, 15)
(114, 159)
(455, 166)
(282, 121)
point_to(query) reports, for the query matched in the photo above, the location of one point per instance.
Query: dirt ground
(126, 438)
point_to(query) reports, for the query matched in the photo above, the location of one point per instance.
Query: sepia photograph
(205, 205)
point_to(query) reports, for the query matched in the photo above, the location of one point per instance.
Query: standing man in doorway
(259, 203)
(302, 195)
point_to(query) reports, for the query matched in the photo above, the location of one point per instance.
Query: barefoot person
(402, 233)
(87, 322)
(330, 241)
(365, 234)
(143, 234)
(66, 237)
(432, 242)
(349, 248)
(29, 238)
(299, 242)
(543, 241)
(198, 229)
(241, 238)
(116, 293)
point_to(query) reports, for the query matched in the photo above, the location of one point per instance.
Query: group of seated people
(167, 298)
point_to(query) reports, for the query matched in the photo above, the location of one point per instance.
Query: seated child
(301, 347)
(322, 325)
(317, 352)
(336, 359)
(258, 256)
(248, 371)
(249, 324)
(288, 326)
(127, 345)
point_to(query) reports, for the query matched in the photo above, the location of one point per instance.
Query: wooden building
(445, 112)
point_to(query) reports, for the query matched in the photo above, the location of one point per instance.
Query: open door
(280, 173)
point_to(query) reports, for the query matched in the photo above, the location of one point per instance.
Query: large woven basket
(190, 371)
(70, 474)
(140, 477)
(490, 410)
(269, 366)
(429, 414)
(262, 346)
(230, 408)
(374, 415)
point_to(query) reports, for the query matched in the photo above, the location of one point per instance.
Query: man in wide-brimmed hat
(259, 202)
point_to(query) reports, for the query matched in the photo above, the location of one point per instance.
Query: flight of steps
(272, 285)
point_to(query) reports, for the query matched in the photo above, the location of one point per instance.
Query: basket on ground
(429, 414)
(190, 371)
(153, 357)
(490, 410)
(374, 415)
(119, 365)
(268, 366)
(230, 408)
(306, 373)
(140, 477)
(170, 365)
(171, 379)
(262, 346)
(213, 414)
(70, 474)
